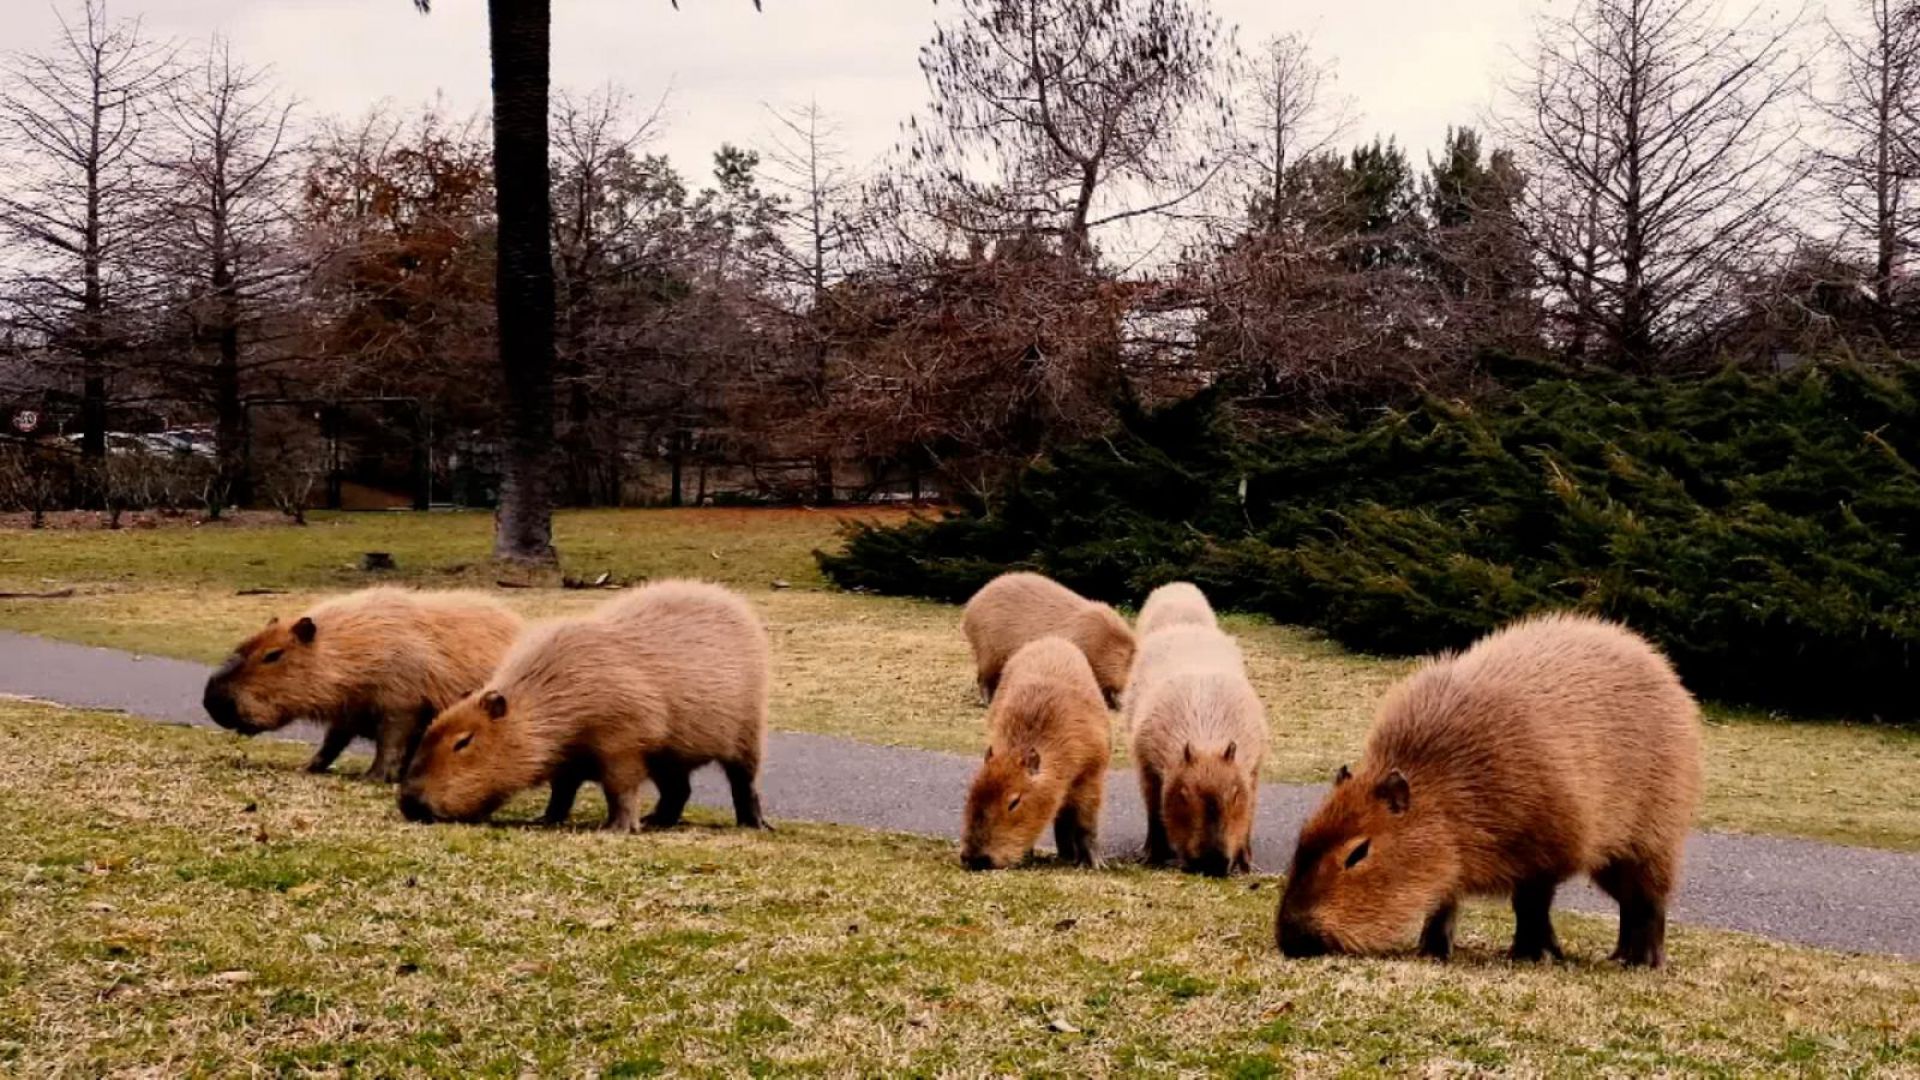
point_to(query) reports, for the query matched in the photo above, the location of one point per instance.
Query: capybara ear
(1342, 775)
(304, 630)
(1227, 754)
(494, 703)
(1394, 791)
(1033, 762)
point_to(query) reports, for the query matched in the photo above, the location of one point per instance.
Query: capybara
(376, 663)
(1199, 739)
(1557, 746)
(649, 687)
(1013, 609)
(1178, 603)
(1046, 761)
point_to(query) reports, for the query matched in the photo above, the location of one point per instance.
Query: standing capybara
(1558, 746)
(1046, 761)
(1178, 603)
(1013, 609)
(654, 684)
(377, 664)
(1199, 739)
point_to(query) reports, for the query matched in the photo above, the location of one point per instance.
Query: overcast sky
(1412, 66)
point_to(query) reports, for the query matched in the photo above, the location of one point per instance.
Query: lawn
(877, 669)
(174, 903)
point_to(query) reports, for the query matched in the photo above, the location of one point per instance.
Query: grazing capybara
(1557, 746)
(1013, 609)
(1046, 761)
(1179, 603)
(376, 663)
(1199, 739)
(652, 685)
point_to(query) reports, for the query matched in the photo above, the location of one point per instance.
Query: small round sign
(26, 421)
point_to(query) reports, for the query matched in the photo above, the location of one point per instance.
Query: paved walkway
(1794, 890)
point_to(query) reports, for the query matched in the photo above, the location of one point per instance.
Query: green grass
(876, 669)
(180, 902)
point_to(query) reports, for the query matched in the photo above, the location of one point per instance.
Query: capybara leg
(744, 778)
(1436, 938)
(1159, 850)
(1533, 920)
(338, 737)
(1073, 835)
(390, 742)
(566, 788)
(1643, 914)
(671, 779)
(623, 782)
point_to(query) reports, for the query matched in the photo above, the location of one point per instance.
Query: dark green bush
(1759, 528)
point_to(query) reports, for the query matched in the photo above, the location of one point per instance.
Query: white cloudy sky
(1412, 66)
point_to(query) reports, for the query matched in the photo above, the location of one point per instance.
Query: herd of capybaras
(1558, 746)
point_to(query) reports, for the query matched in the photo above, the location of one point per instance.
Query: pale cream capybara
(1014, 609)
(1199, 740)
(1046, 761)
(1178, 603)
(377, 663)
(652, 685)
(1558, 746)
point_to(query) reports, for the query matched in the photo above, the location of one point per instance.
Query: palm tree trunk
(523, 525)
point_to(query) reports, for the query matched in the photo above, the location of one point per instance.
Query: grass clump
(177, 901)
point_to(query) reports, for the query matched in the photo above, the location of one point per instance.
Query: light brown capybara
(1178, 603)
(1199, 739)
(1014, 609)
(649, 687)
(376, 663)
(1557, 746)
(1046, 761)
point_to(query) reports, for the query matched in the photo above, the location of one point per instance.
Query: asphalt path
(1828, 895)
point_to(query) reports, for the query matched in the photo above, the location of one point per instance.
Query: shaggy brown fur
(654, 684)
(1199, 740)
(1046, 761)
(1014, 609)
(1177, 604)
(1558, 746)
(376, 663)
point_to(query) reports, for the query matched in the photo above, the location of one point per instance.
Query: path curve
(1801, 891)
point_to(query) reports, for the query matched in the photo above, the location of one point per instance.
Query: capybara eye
(1359, 852)
(272, 657)
(462, 744)
(1013, 804)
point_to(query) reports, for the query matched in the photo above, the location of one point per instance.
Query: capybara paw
(1535, 953)
(316, 766)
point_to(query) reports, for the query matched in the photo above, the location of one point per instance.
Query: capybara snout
(218, 698)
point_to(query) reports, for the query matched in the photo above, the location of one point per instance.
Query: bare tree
(224, 240)
(1657, 141)
(1871, 155)
(1060, 117)
(74, 124)
(1293, 115)
(819, 202)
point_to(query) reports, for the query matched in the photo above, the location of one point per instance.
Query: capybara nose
(1299, 942)
(977, 862)
(220, 705)
(414, 808)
